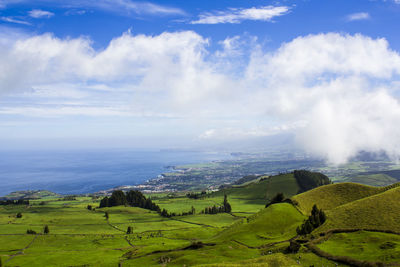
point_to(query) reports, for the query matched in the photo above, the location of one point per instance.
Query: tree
(129, 230)
(89, 207)
(106, 215)
(193, 211)
(104, 202)
(117, 198)
(294, 247)
(46, 229)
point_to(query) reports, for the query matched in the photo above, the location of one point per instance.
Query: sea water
(87, 171)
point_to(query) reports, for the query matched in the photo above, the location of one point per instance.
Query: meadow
(250, 235)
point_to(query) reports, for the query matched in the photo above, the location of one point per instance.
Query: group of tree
(308, 180)
(226, 207)
(132, 198)
(68, 198)
(14, 202)
(165, 213)
(203, 194)
(46, 230)
(135, 198)
(316, 219)
(278, 198)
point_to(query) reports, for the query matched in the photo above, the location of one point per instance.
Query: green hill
(333, 195)
(380, 211)
(263, 189)
(30, 194)
(276, 223)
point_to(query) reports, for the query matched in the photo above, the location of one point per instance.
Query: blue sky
(195, 73)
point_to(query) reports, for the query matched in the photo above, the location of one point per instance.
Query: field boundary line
(22, 250)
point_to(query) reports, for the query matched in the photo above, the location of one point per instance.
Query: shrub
(278, 198)
(294, 247)
(387, 245)
(46, 229)
(316, 219)
(19, 215)
(30, 232)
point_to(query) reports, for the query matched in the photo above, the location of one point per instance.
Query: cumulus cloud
(358, 16)
(335, 92)
(38, 13)
(237, 15)
(340, 85)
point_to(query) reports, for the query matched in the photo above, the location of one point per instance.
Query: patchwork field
(250, 235)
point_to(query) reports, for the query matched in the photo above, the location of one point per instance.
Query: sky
(181, 74)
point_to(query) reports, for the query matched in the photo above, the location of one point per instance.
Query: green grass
(380, 211)
(276, 223)
(263, 190)
(379, 179)
(251, 236)
(274, 260)
(364, 245)
(331, 196)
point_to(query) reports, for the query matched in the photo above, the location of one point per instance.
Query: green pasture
(364, 245)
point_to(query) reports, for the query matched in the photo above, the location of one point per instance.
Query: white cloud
(38, 13)
(237, 15)
(338, 84)
(122, 7)
(336, 92)
(358, 16)
(13, 20)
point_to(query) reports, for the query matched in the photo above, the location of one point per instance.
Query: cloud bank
(237, 15)
(337, 93)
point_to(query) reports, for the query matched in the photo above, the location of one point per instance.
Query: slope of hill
(333, 195)
(380, 211)
(263, 189)
(276, 223)
(30, 194)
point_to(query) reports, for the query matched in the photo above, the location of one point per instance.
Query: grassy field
(380, 211)
(251, 235)
(364, 245)
(334, 195)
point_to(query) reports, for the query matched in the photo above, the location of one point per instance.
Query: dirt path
(201, 224)
(115, 227)
(21, 251)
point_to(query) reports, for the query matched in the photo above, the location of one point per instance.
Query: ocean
(88, 171)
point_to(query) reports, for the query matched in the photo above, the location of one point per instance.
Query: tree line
(316, 219)
(14, 202)
(226, 207)
(135, 198)
(132, 198)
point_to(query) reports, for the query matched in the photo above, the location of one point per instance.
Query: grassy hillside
(331, 196)
(378, 179)
(263, 189)
(380, 211)
(30, 194)
(276, 223)
(249, 236)
(364, 245)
